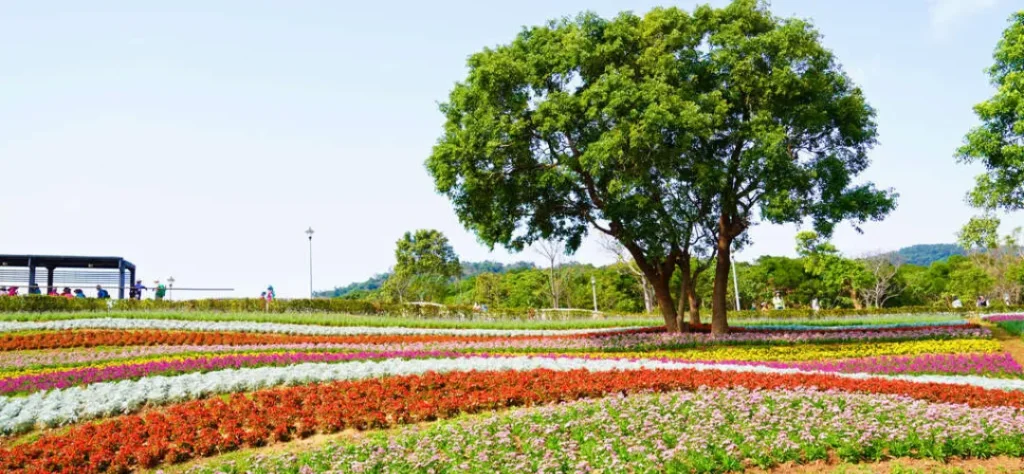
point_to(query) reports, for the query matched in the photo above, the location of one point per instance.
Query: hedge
(34, 303)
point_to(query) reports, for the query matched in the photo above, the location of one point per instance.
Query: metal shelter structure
(67, 270)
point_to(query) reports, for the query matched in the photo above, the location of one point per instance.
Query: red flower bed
(156, 337)
(206, 427)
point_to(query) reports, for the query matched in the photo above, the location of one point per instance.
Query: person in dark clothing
(136, 291)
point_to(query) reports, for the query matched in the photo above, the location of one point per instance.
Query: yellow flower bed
(806, 352)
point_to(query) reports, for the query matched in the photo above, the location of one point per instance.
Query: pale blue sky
(200, 138)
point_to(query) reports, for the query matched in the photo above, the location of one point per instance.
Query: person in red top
(67, 293)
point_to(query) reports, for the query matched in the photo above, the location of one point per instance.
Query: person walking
(268, 296)
(815, 306)
(161, 291)
(137, 289)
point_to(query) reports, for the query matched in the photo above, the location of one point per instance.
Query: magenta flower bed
(995, 318)
(956, 364)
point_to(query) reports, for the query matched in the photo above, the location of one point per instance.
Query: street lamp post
(170, 288)
(593, 290)
(309, 233)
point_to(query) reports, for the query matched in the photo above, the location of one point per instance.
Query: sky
(199, 139)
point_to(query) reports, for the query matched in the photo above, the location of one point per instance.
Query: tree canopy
(423, 259)
(998, 143)
(640, 126)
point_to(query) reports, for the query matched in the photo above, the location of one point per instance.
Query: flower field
(116, 395)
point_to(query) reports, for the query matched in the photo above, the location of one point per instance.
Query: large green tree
(1000, 257)
(613, 124)
(841, 278)
(998, 143)
(791, 133)
(424, 263)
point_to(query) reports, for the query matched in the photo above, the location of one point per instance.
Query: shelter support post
(120, 280)
(31, 275)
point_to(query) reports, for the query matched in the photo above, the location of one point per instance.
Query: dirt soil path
(1001, 464)
(1013, 345)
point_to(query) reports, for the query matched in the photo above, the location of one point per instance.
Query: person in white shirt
(777, 301)
(957, 304)
(815, 306)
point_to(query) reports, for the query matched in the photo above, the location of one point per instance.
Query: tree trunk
(554, 291)
(645, 289)
(694, 305)
(664, 296)
(659, 276)
(684, 284)
(856, 299)
(719, 295)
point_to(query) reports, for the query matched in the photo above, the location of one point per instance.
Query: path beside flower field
(999, 464)
(1011, 344)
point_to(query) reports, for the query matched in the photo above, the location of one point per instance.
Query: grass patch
(894, 319)
(339, 319)
(1012, 327)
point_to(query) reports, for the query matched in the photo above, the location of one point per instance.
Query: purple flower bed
(23, 360)
(87, 375)
(978, 364)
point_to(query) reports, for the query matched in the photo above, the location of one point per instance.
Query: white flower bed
(64, 406)
(243, 326)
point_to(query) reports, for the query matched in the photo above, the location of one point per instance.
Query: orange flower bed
(115, 337)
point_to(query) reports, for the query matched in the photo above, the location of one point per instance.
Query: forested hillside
(926, 254)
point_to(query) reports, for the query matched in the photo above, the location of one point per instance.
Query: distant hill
(475, 268)
(371, 284)
(468, 269)
(925, 254)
